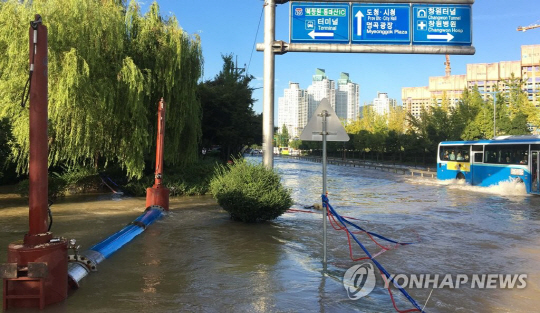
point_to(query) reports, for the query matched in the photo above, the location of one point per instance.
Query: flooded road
(197, 260)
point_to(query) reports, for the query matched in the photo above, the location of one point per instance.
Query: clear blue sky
(231, 27)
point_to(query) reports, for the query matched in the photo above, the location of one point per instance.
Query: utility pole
(236, 68)
(494, 95)
(269, 76)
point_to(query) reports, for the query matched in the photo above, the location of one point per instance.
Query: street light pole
(494, 115)
(494, 96)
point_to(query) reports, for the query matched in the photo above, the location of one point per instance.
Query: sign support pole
(324, 114)
(268, 89)
(324, 126)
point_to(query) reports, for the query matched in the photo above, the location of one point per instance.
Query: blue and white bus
(489, 162)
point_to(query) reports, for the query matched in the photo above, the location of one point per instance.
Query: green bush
(191, 180)
(80, 179)
(75, 180)
(56, 187)
(250, 193)
(187, 180)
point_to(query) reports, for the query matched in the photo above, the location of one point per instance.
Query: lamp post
(494, 115)
(493, 95)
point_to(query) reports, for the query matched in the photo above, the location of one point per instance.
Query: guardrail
(423, 173)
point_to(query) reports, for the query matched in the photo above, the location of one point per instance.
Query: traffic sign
(320, 22)
(437, 24)
(315, 127)
(381, 23)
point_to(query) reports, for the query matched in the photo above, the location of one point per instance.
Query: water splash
(504, 188)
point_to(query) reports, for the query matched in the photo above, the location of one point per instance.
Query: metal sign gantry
(380, 23)
(417, 27)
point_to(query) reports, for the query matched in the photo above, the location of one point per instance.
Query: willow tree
(108, 67)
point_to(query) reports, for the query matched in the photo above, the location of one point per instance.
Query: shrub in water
(250, 193)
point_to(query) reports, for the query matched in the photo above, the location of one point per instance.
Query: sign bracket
(282, 47)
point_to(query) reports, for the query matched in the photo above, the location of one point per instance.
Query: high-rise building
(382, 104)
(347, 99)
(530, 71)
(321, 87)
(297, 105)
(416, 98)
(292, 110)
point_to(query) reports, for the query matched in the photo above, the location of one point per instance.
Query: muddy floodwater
(196, 259)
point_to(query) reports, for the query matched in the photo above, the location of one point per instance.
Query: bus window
(506, 154)
(444, 153)
(455, 153)
(478, 157)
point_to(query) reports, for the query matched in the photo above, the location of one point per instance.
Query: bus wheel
(460, 176)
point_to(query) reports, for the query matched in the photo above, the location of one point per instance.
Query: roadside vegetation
(103, 99)
(250, 192)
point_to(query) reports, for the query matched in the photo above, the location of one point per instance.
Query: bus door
(477, 157)
(535, 171)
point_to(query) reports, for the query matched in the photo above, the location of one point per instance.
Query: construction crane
(526, 28)
(447, 63)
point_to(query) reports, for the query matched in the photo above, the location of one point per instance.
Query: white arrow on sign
(313, 34)
(448, 37)
(359, 16)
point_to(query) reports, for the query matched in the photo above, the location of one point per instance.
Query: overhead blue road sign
(319, 22)
(381, 23)
(437, 24)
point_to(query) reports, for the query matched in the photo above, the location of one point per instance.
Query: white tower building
(347, 99)
(292, 110)
(382, 104)
(320, 88)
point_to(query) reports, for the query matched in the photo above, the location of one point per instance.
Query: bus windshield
(455, 153)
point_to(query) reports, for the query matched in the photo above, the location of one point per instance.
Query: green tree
(108, 68)
(254, 135)
(445, 102)
(296, 144)
(393, 144)
(518, 125)
(478, 117)
(5, 139)
(520, 109)
(397, 119)
(228, 117)
(284, 136)
(360, 142)
(462, 115)
(503, 121)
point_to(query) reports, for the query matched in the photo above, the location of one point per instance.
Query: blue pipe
(80, 265)
(119, 239)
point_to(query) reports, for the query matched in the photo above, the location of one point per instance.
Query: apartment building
(292, 110)
(382, 104)
(487, 76)
(321, 87)
(297, 105)
(347, 99)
